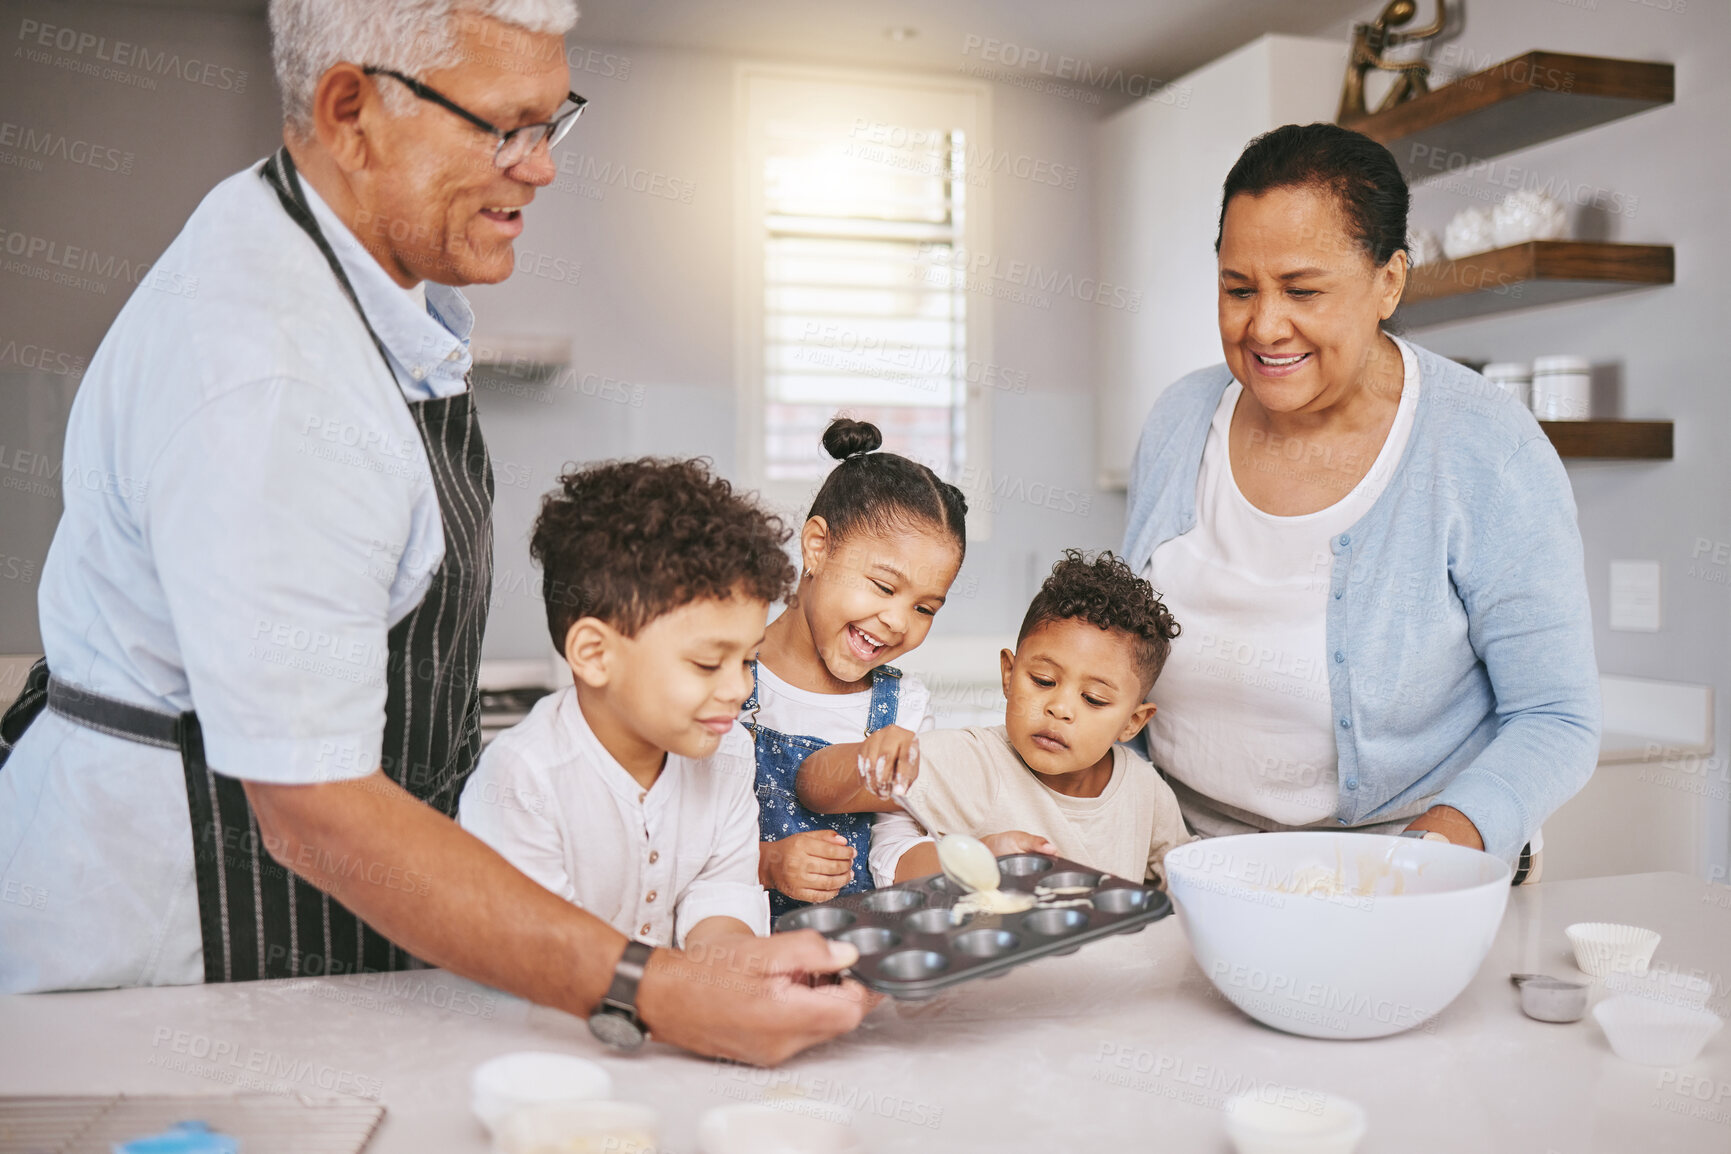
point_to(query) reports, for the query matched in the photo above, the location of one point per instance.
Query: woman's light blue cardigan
(1460, 641)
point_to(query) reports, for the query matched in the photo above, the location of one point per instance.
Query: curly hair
(1105, 592)
(627, 541)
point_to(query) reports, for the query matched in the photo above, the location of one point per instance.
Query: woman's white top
(1244, 713)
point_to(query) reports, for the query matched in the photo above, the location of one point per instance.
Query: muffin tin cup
(912, 945)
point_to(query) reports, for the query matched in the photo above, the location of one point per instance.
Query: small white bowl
(531, 1078)
(597, 1127)
(1296, 1122)
(751, 1128)
(1603, 948)
(1663, 985)
(1653, 1033)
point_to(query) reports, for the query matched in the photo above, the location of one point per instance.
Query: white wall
(104, 167)
(650, 314)
(1658, 354)
(641, 283)
(1161, 163)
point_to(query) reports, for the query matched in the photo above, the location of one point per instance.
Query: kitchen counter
(1122, 1045)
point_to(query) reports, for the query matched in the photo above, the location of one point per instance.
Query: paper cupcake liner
(1603, 948)
(1653, 1033)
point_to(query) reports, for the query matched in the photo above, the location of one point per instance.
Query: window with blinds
(863, 312)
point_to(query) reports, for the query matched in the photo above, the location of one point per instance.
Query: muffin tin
(910, 948)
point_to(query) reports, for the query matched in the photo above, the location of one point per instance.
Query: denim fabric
(779, 756)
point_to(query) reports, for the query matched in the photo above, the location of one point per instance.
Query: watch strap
(622, 992)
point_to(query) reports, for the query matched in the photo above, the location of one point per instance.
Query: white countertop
(1121, 1046)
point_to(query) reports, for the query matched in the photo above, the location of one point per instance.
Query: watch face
(615, 1029)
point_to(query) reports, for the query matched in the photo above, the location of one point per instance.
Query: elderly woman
(1373, 551)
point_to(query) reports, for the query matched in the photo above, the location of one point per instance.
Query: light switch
(1635, 596)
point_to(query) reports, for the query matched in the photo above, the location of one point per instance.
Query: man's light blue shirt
(248, 512)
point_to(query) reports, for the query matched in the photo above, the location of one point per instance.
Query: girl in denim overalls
(879, 549)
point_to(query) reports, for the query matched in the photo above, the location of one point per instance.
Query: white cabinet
(1641, 810)
(1161, 162)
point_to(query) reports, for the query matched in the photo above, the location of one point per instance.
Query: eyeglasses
(514, 146)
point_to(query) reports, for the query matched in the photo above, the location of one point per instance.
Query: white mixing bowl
(1337, 935)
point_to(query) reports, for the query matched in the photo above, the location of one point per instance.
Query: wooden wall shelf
(1540, 272)
(1611, 440)
(1526, 100)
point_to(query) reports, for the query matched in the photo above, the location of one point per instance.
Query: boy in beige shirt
(1053, 777)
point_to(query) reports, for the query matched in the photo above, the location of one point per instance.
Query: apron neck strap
(279, 172)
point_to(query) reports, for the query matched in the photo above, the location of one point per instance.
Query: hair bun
(846, 438)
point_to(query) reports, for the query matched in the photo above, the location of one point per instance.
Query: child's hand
(808, 867)
(888, 758)
(1016, 841)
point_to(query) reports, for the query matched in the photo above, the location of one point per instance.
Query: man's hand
(752, 999)
(808, 867)
(1452, 824)
(1017, 841)
(888, 758)
(471, 912)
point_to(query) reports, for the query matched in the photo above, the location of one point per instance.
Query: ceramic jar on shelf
(1562, 388)
(1511, 377)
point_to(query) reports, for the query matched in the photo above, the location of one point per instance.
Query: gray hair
(411, 36)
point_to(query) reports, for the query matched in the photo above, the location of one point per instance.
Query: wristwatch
(1426, 835)
(615, 1020)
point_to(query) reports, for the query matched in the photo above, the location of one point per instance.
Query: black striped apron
(257, 918)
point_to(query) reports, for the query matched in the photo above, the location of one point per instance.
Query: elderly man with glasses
(258, 707)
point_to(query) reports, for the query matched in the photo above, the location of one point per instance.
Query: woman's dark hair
(627, 541)
(1106, 593)
(1360, 173)
(883, 490)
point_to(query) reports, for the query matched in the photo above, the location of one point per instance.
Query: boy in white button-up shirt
(631, 793)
